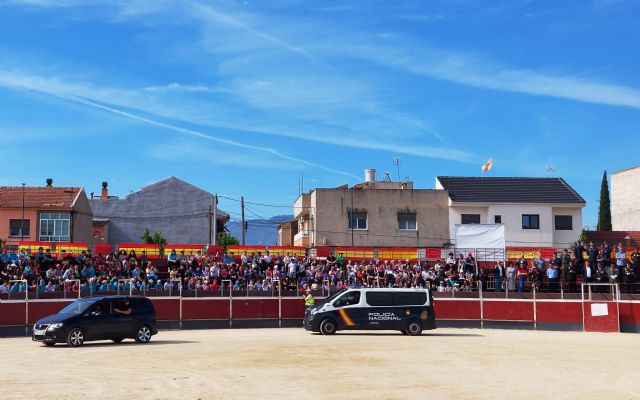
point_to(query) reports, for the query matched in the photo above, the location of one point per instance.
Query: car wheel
(328, 327)
(414, 328)
(118, 340)
(75, 338)
(143, 335)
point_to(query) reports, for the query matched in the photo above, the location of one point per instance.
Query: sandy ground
(293, 363)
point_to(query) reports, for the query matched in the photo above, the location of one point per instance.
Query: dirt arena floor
(295, 364)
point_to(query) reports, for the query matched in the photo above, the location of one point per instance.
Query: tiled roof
(46, 197)
(613, 237)
(509, 190)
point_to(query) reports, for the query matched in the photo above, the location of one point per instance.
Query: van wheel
(118, 340)
(414, 328)
(75, 338)
(328, 327)
(144, 334)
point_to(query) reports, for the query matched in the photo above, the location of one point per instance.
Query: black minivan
(99, 318)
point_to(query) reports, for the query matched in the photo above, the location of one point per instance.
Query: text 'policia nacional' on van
(406, 310)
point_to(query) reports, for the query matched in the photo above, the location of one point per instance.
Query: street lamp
(22, 220)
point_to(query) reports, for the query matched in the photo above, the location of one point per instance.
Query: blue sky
(241, 97)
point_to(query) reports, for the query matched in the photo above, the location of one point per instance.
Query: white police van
(406, 310)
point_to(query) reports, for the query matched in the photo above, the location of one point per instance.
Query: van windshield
(77, 307)
(335, 295)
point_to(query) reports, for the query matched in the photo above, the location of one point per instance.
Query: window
(55, 227)
(15, 226)
(530, 221)
(564, 222)
(497, 219)
(380, 299)
(410, 299)
(357, 220)
(407, 221)
(470, 218)
(347, 299)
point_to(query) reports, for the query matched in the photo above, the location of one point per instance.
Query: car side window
(121, 307)
(101, 308)
(347, 299)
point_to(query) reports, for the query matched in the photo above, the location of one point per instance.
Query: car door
(123, 324)
(97, 321)
(351, 314)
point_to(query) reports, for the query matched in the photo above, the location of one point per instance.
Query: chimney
(105, 191)
(49, 182)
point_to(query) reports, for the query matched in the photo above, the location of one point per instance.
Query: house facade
(182, 212)
(536, 212)
(44, 214)
(625, 200)
(372, 213)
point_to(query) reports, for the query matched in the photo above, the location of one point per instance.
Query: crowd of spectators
(603, 265)
(264, 273)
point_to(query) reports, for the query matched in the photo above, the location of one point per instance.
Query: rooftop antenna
(550, 168)
(396, 162)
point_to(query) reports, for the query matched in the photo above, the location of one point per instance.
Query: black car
(99, 318)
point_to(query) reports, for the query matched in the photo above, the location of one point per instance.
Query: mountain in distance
(259, 231)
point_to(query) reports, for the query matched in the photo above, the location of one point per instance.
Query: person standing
(498, 276)
(552, 278)
(511, 274)
(621, 259)
(309, 300)
(522, 277)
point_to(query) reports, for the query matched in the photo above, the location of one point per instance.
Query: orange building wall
(7, 214)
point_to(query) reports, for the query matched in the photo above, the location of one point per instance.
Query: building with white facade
(625, 200)
(536, 212)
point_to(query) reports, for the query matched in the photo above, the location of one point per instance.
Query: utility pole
(22, 220)
(242, 205)
(215, 219)
(210, 230)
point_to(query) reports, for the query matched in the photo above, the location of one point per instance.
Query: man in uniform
(309, 301)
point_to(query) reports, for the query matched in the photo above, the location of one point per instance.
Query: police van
(406, 310)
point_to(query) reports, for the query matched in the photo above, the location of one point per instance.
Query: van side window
(380, 299)
(410, 299)
(347, 299)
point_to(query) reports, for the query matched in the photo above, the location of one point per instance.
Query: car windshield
(333, 296)
(77, 307)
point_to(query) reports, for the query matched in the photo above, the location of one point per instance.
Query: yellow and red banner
(189, 249)
(398, 253)
(32, 247)
(152, 250)
(71, 248)
(359, 253)
(297, 251)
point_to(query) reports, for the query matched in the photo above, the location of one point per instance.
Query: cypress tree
(604, 213)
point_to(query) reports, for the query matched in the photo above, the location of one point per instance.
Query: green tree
(604, 213)
(225, 239)
(154, 238)
(3, 243)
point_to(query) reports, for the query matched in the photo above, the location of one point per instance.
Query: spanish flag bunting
(487, 166)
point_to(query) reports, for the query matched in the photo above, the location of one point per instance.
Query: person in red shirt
(522, 277)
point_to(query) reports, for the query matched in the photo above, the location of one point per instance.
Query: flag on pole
(486, 167)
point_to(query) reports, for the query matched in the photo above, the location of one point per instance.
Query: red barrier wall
(556, 311)
(630, 313)
(205, 309)
(167, 309)
(42, 309)
(507, 310)
(603, 323)
(293, 308)
(255, 308)
(12, 313)
(457, 309)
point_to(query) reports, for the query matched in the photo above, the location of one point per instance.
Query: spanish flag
(486, 167)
